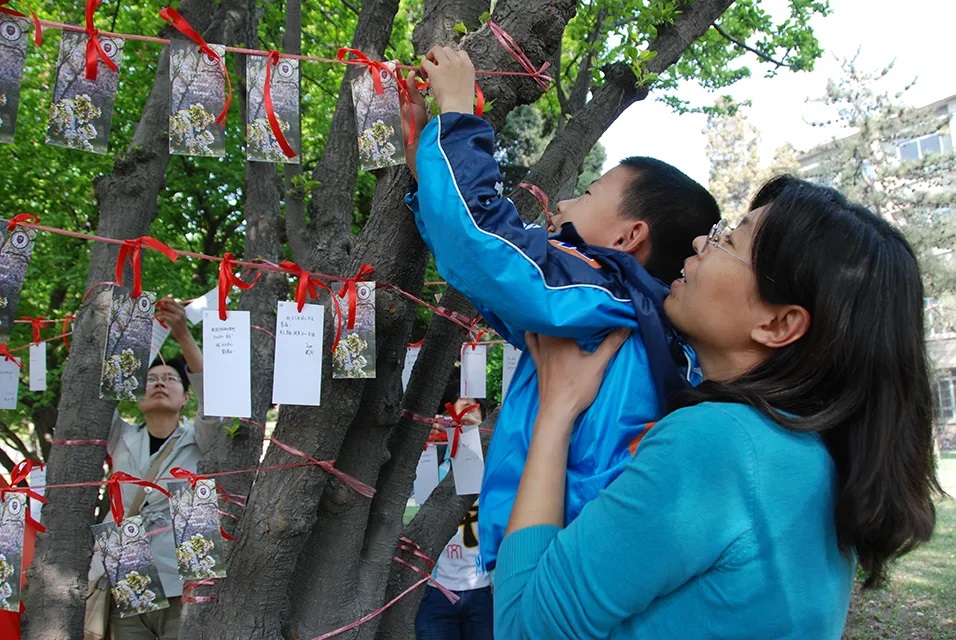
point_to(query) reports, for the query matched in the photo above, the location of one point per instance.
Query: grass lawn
(920, 602)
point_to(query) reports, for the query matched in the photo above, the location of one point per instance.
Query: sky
(919, 35)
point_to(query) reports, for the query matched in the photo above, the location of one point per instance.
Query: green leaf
(461, 28)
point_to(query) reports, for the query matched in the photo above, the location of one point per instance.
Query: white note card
(297, 375)
(38, 367)
(468, 463)
(160, 333)
(473, 374)
(426, 475)
(411, 357)
(226, 375)
(208, 302)
(509, 363)
(37, 478)
(9, 383)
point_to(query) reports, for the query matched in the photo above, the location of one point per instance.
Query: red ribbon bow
(131, 248)
(35, 322)
(348, 287)
(228, 279)
(37, 27)
(66, 321)
(116, 492)
(21, 218)
(172, 16)
(94, 50)
(375, 67)
(185, 474)
(457, 417)
(5, 352)
(271, 61)
(308, 288)
(520, 56)
(18, 475)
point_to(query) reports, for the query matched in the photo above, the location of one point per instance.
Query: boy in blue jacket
(628, 232)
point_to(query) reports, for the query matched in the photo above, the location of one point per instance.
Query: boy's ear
(635, 239)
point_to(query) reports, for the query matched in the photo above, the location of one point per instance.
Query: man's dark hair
(176, 363)
(676, 209)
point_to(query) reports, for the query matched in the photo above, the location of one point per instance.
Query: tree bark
(440, 17)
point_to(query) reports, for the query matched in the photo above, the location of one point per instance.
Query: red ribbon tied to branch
(180, 23)
(37, 26)
(66, 321)
(457, 417)
(348, 287)
(116, 493)
(94, 50)
(520, 56)
(21, 218)
(35, 323)
(272, 60)
(228, 279)
(308, 288)
(375, 67)
(9, 357)
(131, 249)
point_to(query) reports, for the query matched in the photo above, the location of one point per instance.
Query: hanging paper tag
(378, 119)
(82, 110)
(297, 374)
(209, 300)
(14, 35)
(197, 97)
(130, 566)
(9, 383)
(509, 363)
(426, 475)
(354, 356)
(157, 340)
(468, 463)
(37, 478)
(473, 372)
(227, 378)
(411, 357)
(125, 359)
(38, 367)
(196, 530)
(15, 254)
(261, 143)
(12, 517)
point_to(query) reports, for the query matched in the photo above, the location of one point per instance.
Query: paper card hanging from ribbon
(158, 339)
(13, 512)
(509, 362)
(128, 339)
(354, 356)
(15, 253)
(426, 474)
(262, 144)
(227, 377)
(37, 478)
(209, 300)
(82, 110)
(297, 374)
(411, 357)
(14, 36)
(197, 97)
(130, 566)
(199, 546)
(474, 378)
(9, 383)
(38, 367)
(378, 119)
(468, 463)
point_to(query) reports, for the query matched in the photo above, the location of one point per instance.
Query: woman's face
(164, 391)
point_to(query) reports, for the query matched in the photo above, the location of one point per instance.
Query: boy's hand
(414, 117)
(452, 78)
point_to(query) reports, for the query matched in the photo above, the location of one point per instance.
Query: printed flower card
(130, 566)
(197, 97)
(82, 110)
(16, 249)
(128, 340)
(12, 517)
(198, 540)
(14, 36)
(261, 142)
(354, 356)
(378, 119)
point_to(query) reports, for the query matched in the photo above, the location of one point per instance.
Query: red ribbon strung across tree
(35, 323)
(308, 288)
(131, 248)
(116, 492)
(37, 27)
(172, 17)
(348, 287)
(375, 67)
(228, 279)
(9, 357)
(272, 60)
(520, 56)
(21, 218)
(94, 50)
(456, 417)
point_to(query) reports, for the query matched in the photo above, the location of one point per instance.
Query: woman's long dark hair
(859, 377)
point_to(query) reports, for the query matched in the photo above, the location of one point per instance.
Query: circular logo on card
(384, 75)
(210, 60)
(286, 68)
(131, 529)
(109, 47)
(20, 239)
(202, 491)
(14, 505)
(11, 30)
(363, 291)
(144, 303)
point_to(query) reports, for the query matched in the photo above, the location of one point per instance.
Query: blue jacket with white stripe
(520, 279)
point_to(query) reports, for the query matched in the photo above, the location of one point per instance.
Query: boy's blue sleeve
(517, 276)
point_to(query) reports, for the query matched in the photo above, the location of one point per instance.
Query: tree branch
(746, 47)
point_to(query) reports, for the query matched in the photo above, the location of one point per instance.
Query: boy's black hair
(452, 393)
(676, 208)
(176, 363)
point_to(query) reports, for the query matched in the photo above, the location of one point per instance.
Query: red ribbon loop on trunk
(188, 476)
(63, 333)
(520, 56)
(457, 417)
(5, 352)
(35, 323)
(116, 492)
(228, 279)
(94, 50)
(272, 60)
(308, 288)
(37, 26)
(375, 67)
(172, 16)
(131, 249)
(21, 218)
(348, 287)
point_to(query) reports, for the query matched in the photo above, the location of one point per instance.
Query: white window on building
(921, 147)
(946, 394)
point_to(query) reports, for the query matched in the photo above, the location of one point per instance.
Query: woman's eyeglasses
(717, 233)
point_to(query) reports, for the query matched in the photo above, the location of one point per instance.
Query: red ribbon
(18, 475)
(66, 321)
(5, 352)
(94, 50)
(228, 279)
(541, 197)
(21, 218)
(184, 474)
(374, 67)
(35, 322)
(479, 101)
(37, 27)
(272, 60)
(131, 248)
(308, 288)
(116, 493)
(474, 343)
(172, 17)
(348, 287)
(520, 56)
(457, 417)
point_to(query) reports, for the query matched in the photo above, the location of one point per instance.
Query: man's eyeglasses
(717, 233)
(165, 379)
